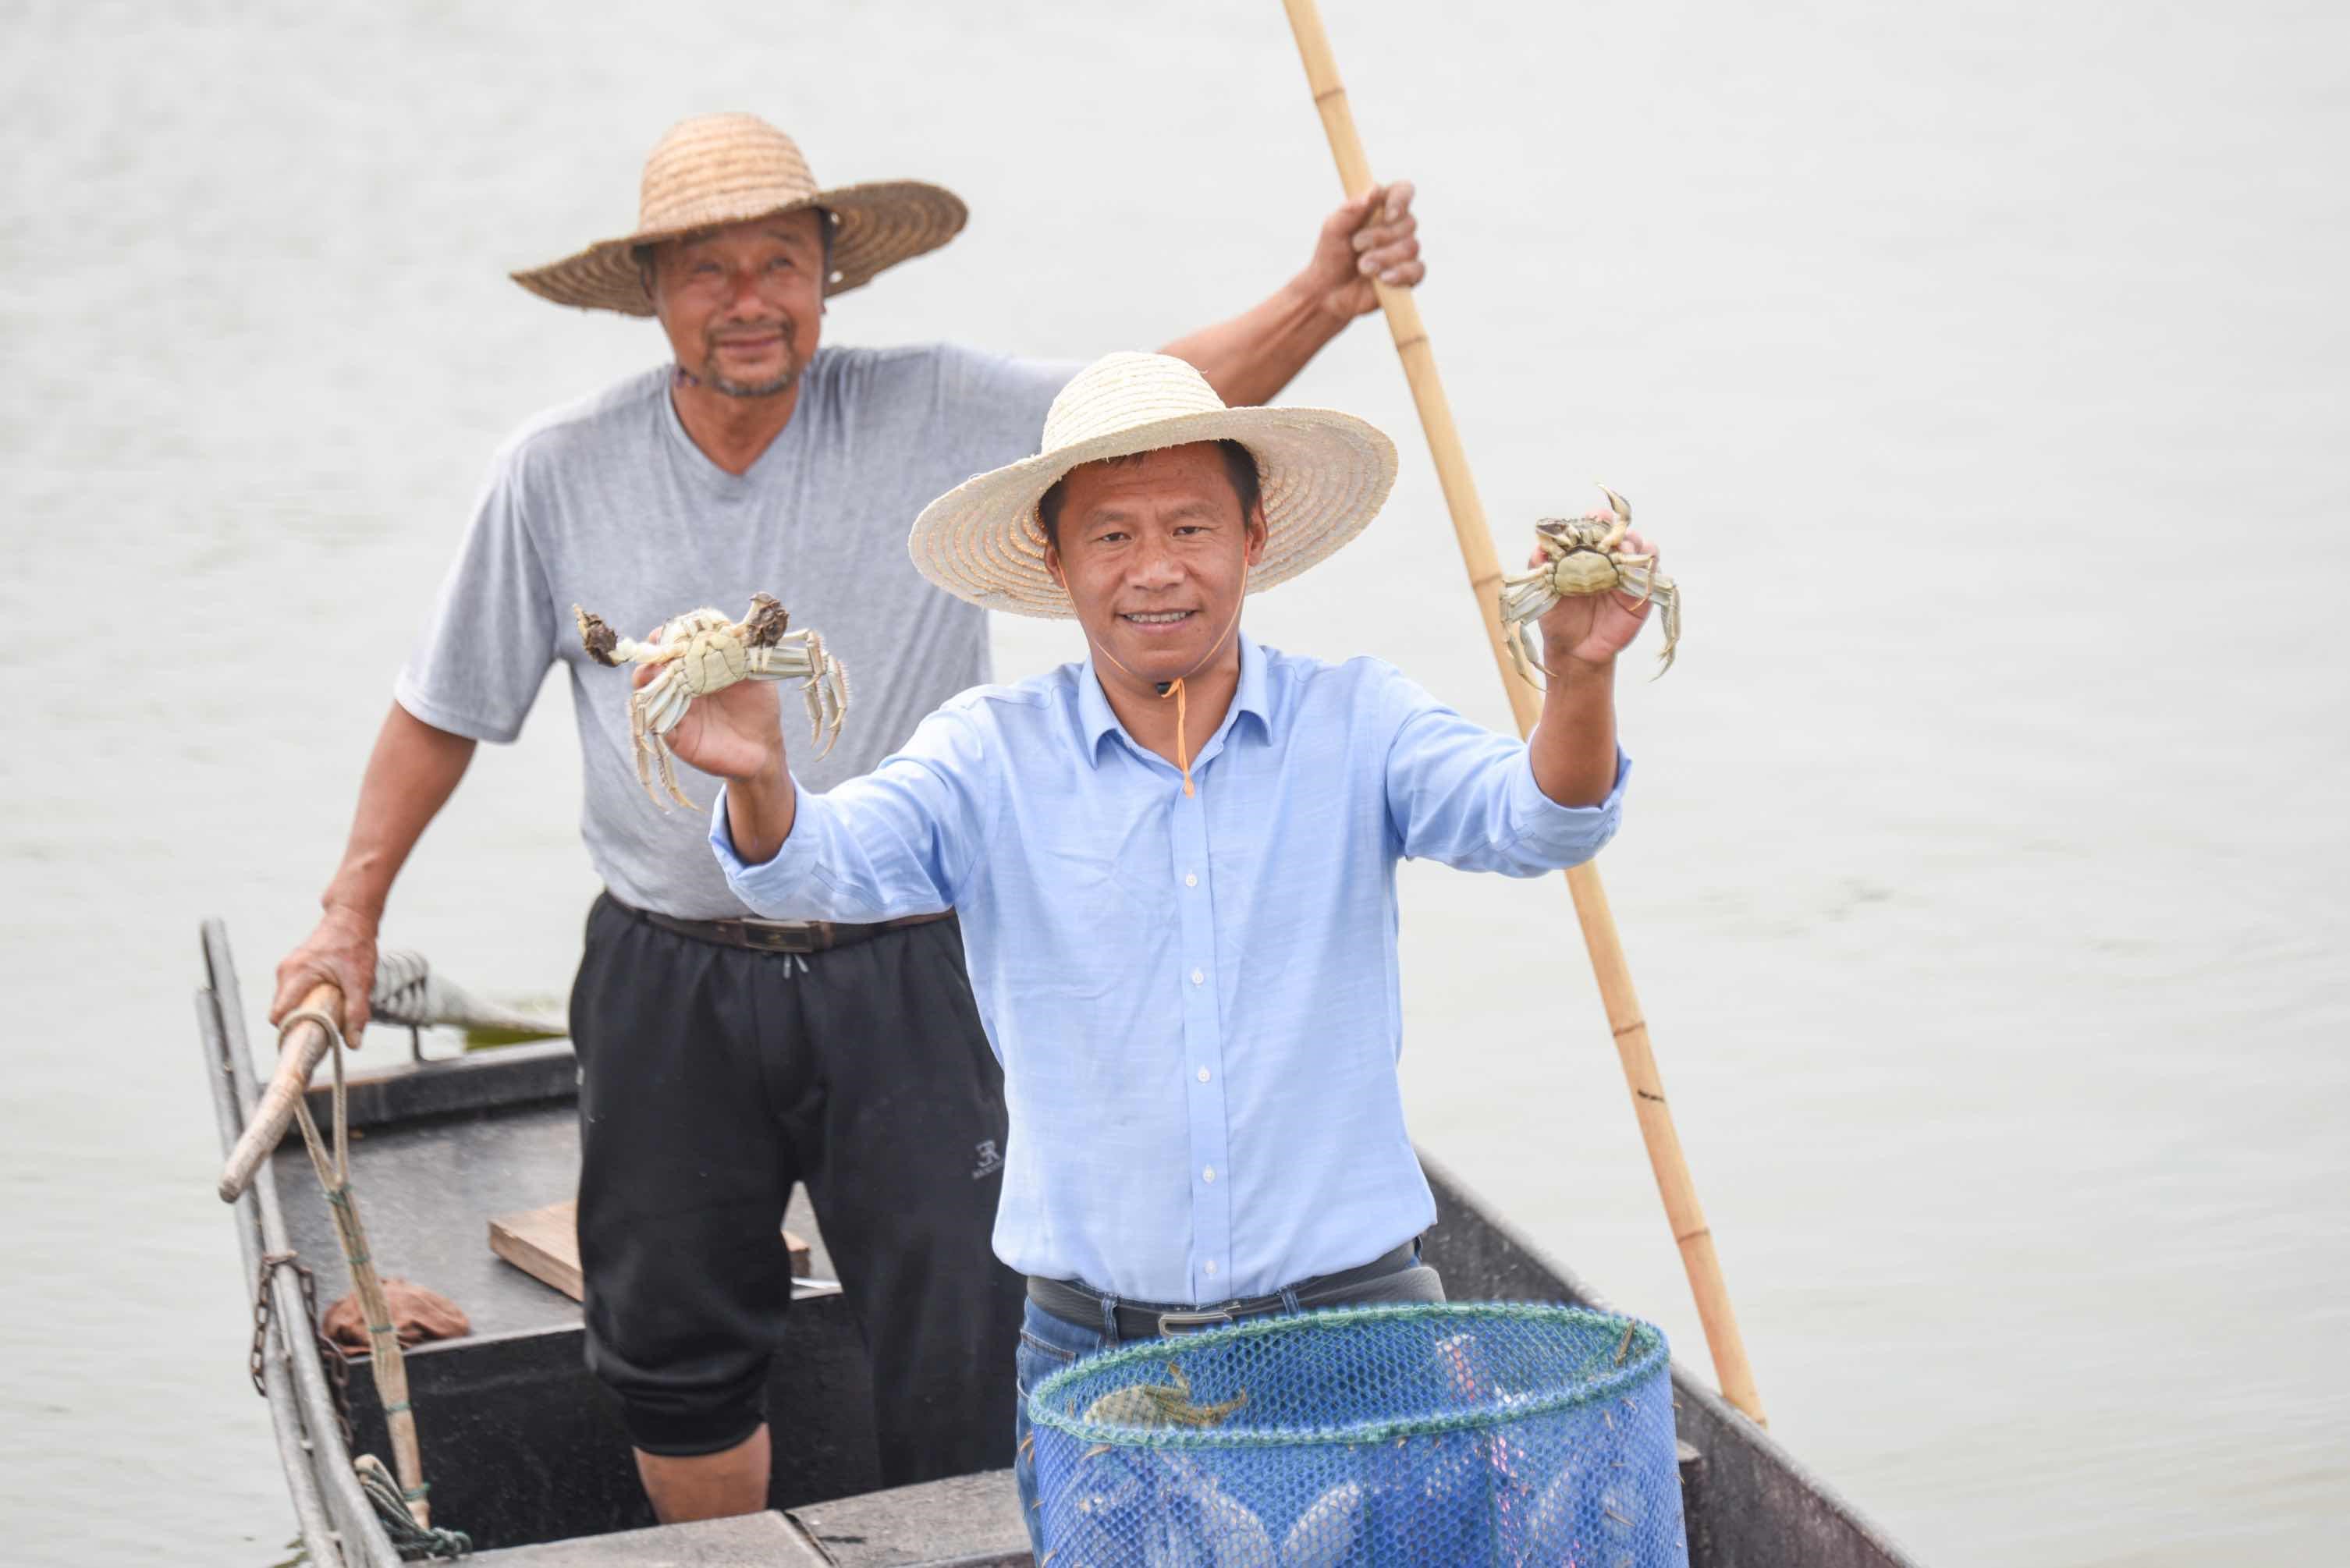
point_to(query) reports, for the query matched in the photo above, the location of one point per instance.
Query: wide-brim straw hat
(720, 169)
(1323, 475)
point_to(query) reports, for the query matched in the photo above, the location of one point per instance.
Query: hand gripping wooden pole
(1624, 1017)
(298, 1054)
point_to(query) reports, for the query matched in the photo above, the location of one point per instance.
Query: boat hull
(523, 1453)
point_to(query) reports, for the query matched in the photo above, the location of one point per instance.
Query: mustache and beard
(708, 375)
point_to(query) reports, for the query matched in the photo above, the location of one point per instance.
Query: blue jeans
(1046, 1345)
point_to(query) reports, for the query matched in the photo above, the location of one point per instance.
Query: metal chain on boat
(330, 1355)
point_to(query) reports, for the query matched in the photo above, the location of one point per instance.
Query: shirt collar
(1095, 719)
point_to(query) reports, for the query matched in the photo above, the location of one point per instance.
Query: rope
(406, 1517)
(413, 1541)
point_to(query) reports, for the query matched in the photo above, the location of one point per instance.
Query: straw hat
(1323, 477)
(718, 169)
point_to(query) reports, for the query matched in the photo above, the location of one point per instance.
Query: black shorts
(711, 1079)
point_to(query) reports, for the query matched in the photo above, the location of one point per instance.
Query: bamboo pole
(298, 1055)
(1691, 1232)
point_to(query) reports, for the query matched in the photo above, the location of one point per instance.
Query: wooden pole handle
(1691, 1233)
(299, 1053)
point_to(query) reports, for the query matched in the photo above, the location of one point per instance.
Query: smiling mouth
(1158, 618)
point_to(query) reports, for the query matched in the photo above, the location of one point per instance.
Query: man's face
(1153, 551)
(742, 304)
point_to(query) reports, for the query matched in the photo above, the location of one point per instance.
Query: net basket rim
(1646, 1355)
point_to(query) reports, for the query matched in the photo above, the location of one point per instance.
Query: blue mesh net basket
(1440, 1434)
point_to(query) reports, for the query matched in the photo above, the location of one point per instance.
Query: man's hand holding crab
(736, 733)
(1591, 630)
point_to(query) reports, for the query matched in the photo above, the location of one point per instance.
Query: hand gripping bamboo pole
(1615, 977)
(299, 1054)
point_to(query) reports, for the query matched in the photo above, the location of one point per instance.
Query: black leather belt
(1079, 1305)
(778, 936)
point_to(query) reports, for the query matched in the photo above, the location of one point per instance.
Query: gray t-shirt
(609, 505)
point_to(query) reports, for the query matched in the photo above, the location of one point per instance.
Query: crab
(704, 652)
(1582, 557)
(1168, 1404)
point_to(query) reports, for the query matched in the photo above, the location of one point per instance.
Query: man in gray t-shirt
(722, 1058)
(609, 503)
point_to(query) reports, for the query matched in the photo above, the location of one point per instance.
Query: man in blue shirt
(1174, 863)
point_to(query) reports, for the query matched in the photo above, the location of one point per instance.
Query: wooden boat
(523, 1454)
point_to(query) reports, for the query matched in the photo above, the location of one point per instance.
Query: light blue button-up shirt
(1194, 998)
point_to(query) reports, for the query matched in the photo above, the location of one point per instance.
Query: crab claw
(597, 639)
(1616, 503)
(765, 625)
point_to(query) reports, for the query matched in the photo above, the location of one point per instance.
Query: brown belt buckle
(1192, 1322)
(809, 938)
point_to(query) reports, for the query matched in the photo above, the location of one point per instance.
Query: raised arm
(1252, 356)
(900, 841)
(1460, 794)
(736, 733)
(1572, 748)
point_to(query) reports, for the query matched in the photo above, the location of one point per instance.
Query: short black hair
(1240, 467)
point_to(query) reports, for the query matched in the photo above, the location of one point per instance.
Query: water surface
(1981, 368)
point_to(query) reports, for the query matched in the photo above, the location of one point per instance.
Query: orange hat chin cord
(1175, 688)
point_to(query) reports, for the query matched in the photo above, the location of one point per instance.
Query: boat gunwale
(1687, 1389)
(331, 1512)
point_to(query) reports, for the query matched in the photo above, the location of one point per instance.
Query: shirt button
(1203, 1075)
(1190, 878)
(1198, 977)
(1208, 1175)
(1211, 1268)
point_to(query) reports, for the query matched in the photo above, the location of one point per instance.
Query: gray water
(1982, 368)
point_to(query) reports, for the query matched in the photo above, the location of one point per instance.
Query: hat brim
(877, 225)
(1323, 477)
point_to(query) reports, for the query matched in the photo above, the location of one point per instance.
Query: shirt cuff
(1535, 819)
(768, 887)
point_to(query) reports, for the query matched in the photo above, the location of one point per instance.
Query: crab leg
(668, 774)
(1520, 647)
(638, 737)
(1527, 598)
(1671, 599)
(666, 699)
(780, 662)
(827, 695)
(1634, 577)
(815, 704)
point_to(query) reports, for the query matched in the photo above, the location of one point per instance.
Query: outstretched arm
(900, 841)
(1251, 358)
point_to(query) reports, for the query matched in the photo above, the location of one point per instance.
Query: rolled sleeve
(895, 843)
(1461, 794)
(783, 887)
(1554, 837)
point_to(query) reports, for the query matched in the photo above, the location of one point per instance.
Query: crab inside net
(1438, 1433)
